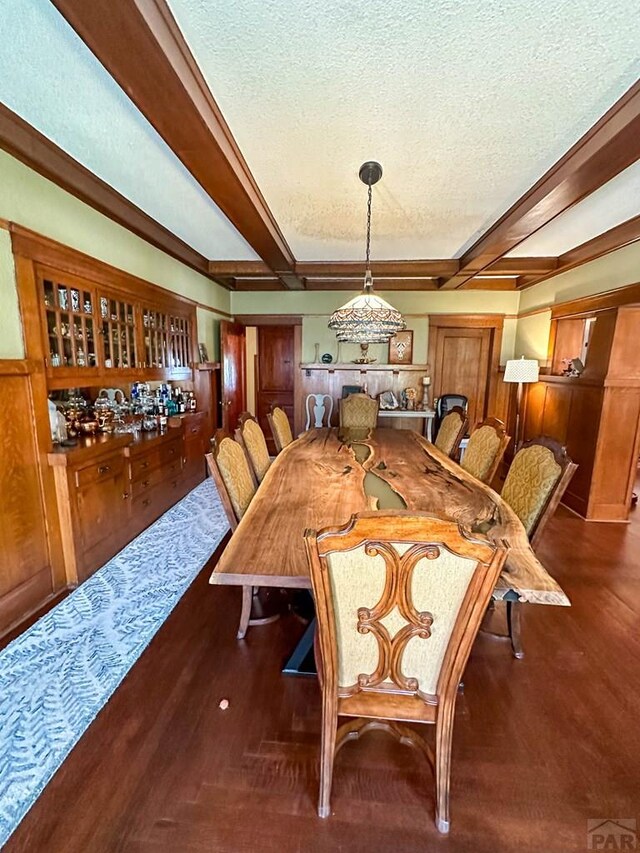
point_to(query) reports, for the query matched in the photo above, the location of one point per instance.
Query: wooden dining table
(327, 475)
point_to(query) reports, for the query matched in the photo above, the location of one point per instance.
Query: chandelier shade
(367, 318)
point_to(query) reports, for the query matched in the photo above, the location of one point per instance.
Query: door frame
(284, 320)
(495, 402)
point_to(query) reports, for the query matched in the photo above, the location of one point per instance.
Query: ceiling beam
(612, 144)
(522, 266)
(615, 238)
(351, 284)
(25, 143)
(379, 269)
(141, 46)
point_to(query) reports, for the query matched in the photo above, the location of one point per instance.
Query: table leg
(302, 661)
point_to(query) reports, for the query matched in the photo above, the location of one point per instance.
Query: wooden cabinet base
(108, 493)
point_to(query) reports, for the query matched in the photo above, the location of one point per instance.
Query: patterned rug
(55, 678)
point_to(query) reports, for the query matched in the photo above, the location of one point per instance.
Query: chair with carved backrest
(358, 411)
(231, 473)
(318, 407)
(399, 599)
(452, 430)
(485, 450)
(537, 479)
(280, 427)
(249, 434)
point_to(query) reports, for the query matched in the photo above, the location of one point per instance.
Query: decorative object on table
(388, 401)
(426, 389)
(365, 358)
(327, 358)
(401, 348)
(339, 353)
(573, 367)
(523, 371)
(367, 319)
(316, 356)
(204, 355)
(410, 395)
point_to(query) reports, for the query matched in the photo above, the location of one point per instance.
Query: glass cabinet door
(70, 324)
(118, 330)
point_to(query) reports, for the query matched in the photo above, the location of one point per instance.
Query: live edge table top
(323, 478)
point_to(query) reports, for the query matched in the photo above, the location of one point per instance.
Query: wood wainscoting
(597, 417)
(27, 578)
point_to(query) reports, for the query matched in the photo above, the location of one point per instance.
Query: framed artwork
(204, 355)
(401, 348)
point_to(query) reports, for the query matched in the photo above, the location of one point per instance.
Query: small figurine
(409, 395)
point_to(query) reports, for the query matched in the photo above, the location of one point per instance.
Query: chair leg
(514, 612)
(247, 595)
(327, 754)
(444, 736)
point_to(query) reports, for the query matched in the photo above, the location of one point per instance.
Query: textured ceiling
(615, 202)
(51, 79)
(465, 104)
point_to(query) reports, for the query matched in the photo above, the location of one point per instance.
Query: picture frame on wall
(401, 348)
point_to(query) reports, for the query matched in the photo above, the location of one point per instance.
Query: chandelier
(367, 319)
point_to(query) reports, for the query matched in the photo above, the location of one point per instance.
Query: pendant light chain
(370, 192)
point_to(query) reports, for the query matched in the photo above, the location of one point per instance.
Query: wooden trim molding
(628, 295)
(268, 319)
(186, 116)
(28, 145)
(468, 321)
(612, 144)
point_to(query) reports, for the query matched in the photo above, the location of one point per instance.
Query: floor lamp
(520, 370)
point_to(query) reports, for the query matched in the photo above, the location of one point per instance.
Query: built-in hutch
(89, 326)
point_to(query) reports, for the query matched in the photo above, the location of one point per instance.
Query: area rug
(55, 678)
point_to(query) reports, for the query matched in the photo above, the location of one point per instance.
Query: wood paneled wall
(26, 575)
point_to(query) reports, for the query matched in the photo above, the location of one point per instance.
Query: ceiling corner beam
(609, 147)
(141, 46)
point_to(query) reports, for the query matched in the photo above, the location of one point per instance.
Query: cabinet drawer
(194, 424)
(170, 451)
(145, 481)
(141, 466)
(100, 471)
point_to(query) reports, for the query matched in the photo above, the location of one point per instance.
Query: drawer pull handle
(125, 495)
(194, 430)
(145, 464)
(145, 483)
(103, 469)
(146, 502)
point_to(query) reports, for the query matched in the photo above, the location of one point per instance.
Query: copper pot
(89, 427)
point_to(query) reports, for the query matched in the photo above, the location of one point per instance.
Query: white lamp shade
(521, 370)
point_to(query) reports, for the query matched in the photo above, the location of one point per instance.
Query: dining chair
(536, 481)
(359, 411)
(230, 471)
(445, 403)
(485, 450)
(250, 436)
(452, 429)
(280, 427)
(399, 599)
(318, 407)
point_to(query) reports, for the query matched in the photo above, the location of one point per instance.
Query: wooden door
(462, 366)
(233, 357)
(274, 382)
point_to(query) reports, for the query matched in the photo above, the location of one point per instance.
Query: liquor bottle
(192, 401)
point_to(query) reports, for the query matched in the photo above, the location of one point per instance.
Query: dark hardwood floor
(540, 745)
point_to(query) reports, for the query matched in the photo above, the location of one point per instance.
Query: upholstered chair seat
(399, 599)
(251, 436)
(451, 432)
(485, 450)
(358, 411)
(280, 428)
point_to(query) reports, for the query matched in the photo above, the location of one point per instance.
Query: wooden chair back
(280, 427)
(250, 436)
(537, 479)
(230, 470)
(452, 430)
(399, 600)
(318, 408)
(359, 411)
(485, 450)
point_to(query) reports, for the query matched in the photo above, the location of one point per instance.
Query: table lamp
(520, 370)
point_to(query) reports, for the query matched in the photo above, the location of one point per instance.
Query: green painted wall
(34, 202)
(315, 308)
